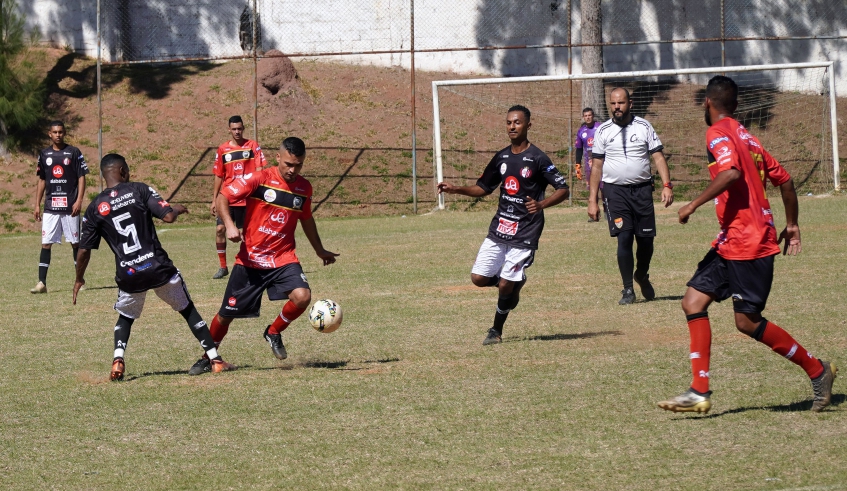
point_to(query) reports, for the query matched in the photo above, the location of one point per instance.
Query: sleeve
(81, 165)
(39, 168)
(551, 174)
(218, 166)
(653, 143)
(720, 152)
(89, 237)
(578, 141)
(307, 206)
(260, 162)
(241, 187)
(598, 151)
(774, 171)
(490, 178)
(158, 206)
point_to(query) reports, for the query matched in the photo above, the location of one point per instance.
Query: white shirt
(626, 150)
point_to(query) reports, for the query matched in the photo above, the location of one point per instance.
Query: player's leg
(70, 229)
(287, 282)
(512, 280)
(175, 294)
(621, 219)
(129, 307)
(645, 232)
(750, 282)
(51, 233)
(220, 246)
(486, 272)
(708, 284)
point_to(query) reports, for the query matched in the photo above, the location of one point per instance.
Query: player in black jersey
(123, 215)
(522, 172)
(61, 174)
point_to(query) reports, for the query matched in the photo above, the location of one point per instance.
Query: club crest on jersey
(104, 208)
(114, 193)
(49, 160)
(58, 172)
(619, 222)
(511, 185)
(298, 202)
(270, 195)
(66, 161)
(526, 172)
(227, 157)
(584, 134)
(503, 168)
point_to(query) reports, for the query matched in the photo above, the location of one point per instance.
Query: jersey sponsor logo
(278, 217)
(139, 259)
(527, 159)
(269, 231)
(238, 166)
(245, 154)
(634, 138)
(551, 168)
(270, 195)
(511, 199)
(507, 227)
(130, 271)
(718, 140)
(591, 142)
(227, 157)
(504, 156)
(526, 172)
(164, 203)
(104, 208)
(232, 188)
(155, 194)
(58, 171)
(231, 301)
(511, 185)
(59, 202)
(503, 167)
(619, 222)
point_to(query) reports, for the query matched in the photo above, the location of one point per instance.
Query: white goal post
(782, 104)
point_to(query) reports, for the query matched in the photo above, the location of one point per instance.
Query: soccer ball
(325, 316)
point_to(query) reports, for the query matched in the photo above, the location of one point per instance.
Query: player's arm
(554, 199)
(719, 184)
(83, 256)
(216, 189)
(232, 232)
(473, 191)
(176, 210)
(594, 186)
(80, 192)
(311, 231)
(665, 174)
(39, 194)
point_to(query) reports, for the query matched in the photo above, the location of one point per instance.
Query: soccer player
(740, 263)
(123, 215)
(522, 172)
(235, 158)
(61, 172)
(277, 198)
(620, 158)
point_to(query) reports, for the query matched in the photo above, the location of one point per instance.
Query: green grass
(404, 396)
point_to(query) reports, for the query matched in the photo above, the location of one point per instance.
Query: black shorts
(748, 283)
(630, 207)
(237, 214)
(243, 295)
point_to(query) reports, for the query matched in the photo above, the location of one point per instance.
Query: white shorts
(174, 293)
(499, 259)
(53, 226)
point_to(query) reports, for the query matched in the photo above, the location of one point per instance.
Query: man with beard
(621, 160)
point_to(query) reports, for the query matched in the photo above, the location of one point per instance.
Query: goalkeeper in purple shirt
(584, 143)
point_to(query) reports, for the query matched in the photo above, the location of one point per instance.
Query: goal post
(790, 107)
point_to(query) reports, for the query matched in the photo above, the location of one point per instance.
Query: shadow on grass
(565, 337)
(837, 400)
(667, 297)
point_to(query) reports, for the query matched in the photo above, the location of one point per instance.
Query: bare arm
(791, 232)
(39, 194)
(216, 189)
(232, 232)
(311, 231)
(594, 188)
(472, 191)
(172, 215)
(720, 184)
(665, 174)
(557, 197)
(82, 258)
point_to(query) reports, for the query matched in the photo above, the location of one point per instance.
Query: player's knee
(480, 280)
(301, 297)
(220, 229)
(47, 246)
(747, 323)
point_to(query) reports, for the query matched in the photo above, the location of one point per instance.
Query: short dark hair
(723, 92)
(294, 146)
(523, 109)
(588, 109)
(56, 122)
(111, 160)
(236, 119)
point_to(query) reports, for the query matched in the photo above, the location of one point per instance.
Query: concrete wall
(166, 29)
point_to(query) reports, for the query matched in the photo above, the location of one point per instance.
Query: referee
(621, 158)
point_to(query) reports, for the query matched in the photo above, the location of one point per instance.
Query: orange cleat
(118, 368)
(219, 366)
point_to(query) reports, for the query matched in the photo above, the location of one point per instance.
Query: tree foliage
(21, 89)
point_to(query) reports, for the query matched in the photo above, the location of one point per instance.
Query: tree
(591, 27)
(21, 90)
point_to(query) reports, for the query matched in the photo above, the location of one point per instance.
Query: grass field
(404, 396)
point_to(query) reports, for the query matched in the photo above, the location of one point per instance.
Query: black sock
(122, 330)
(43, 264)
(502, 312)
(626, 261)
(198, 326)
(643, 255)
(516, 294)
(75, 249)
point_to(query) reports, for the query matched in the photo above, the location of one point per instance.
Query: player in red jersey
(277, 198)
(740, 263)
(235, 158)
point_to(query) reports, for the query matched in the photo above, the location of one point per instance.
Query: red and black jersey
(518, 176)
(123, 215)
(273, 208)
(60, 170)
(744, 212)
(234, 161)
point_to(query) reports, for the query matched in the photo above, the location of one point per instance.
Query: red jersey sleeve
(240, 188)
(259, 160)
(218, 166)
(721, 152)
(774, 171)
(307, 206)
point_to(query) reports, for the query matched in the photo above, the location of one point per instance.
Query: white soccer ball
(325, 316)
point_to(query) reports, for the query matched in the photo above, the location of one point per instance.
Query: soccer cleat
(822, 386)
(688, 402)
(221, 273)
(40, 287)
(118, 368)
(646, 286)
(493, 337)
(203, 365)
(275, 340)
(219, 365)
(628, 296)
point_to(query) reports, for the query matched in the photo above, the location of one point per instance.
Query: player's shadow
(666, 297)
(331, 365)
(566, 337)
(794, 407)
(154, 374)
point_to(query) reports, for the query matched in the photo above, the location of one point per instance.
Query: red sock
(218, 330)
(700, 331)
(286, 317)
(782, 342)
(221, 246)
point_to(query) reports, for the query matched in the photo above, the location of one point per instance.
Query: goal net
(790, 108)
